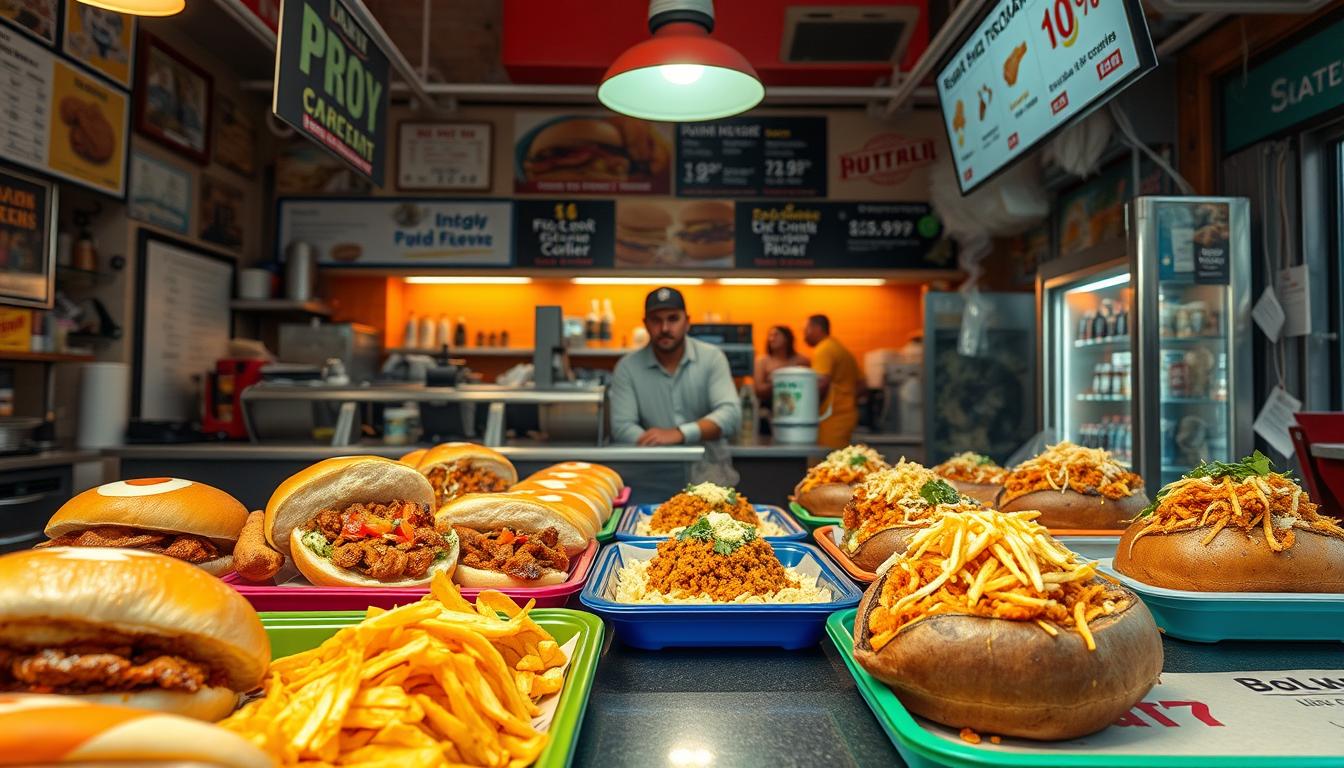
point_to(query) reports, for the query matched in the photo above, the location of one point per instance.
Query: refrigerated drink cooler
(1146, 342)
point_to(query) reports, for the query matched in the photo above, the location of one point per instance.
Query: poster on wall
(331, 83)
(160, 193)
(590, 154)
(221, 219)
(27, 240)
(103, 41)
(683, 234)
(564, 234)
(768, 156)
(400, 231)
(444, 156)
(870, 160)
(36, 17)
(172, 100)
(1192, 242)
(235, 137)
(302, 168)
(806, 235)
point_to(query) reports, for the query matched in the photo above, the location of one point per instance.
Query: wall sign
(389, 231)
(1302, 82)
(331, 82)
(805, 235)
(602, 154)
(564, 234)
(1028, 69)
(36, 17)
(693, 234)
(173, 97)
(28, 237)
(160, 193)
(235, 136)
(1193, 242)
(103, 41)
(444, 156)
(752, 157)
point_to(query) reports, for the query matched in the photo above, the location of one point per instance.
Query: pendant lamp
(680, 74)
(140, 7)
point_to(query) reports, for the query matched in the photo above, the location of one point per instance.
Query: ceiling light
(681, 74)
(638, 281)
(140, 7)
(749, 281)
(467, 280)
(845, 281)
(1105, 282)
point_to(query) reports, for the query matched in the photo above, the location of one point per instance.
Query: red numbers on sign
(1059, 23)
(1198, 710)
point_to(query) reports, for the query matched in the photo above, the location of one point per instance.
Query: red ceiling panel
(545, 41)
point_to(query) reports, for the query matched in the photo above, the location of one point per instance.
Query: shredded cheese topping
(846, 466)
(1272, 504)
(1070, 467)
(971, 467)
(891, 498)
(711, 494)
(998, 565)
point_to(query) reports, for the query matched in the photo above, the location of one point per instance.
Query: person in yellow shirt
(838, 382)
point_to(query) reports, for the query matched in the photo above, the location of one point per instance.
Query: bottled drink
(607, 321)
(1103, 380)
(592, 327)
(1122, 321)
(1085, 327)
(460, 332)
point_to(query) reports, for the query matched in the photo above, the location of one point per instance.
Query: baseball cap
(664, 298)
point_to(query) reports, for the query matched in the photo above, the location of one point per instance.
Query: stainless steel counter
(47, 459)
(772, 450)
(606, 454)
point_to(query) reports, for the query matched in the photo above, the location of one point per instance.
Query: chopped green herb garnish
(318, 543)
(1255, 465)
(858, 460)
(703, 530)
(981, 460)
(939, 492)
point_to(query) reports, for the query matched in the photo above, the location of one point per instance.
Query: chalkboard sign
(564, 234)
(752, 157)
(802, 235)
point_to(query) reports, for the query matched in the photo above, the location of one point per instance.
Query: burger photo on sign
(587, 153)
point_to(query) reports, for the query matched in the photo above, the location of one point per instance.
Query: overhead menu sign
(331, 82)
(1028, 69)
(807, 235)
(752, 157)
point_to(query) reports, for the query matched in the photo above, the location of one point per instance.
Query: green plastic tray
(813, 522)
(294, 632)
(921, 749)
(608, 531)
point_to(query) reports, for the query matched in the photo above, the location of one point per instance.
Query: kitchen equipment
(16, 433)
(550, 357)
(28, 498)
(221, 401)
(735, 341)
(300, 271)
(795, 401)
(355, 345)
(104, 404)
(254, 284)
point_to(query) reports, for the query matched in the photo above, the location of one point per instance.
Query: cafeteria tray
(608, 531)
(295, 632)
(303, 596)
(813, 522)
(827, 538)
(1091, 547)
(734, 625)
(921, 747)
(622, 498)
(768, 512)
(1210, 617)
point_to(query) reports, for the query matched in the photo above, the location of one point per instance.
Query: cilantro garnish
(1255, 465)
(939, 492)
(858, 460)
(702, 530)
(981, 460)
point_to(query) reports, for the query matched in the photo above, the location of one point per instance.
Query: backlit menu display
(1029, 68)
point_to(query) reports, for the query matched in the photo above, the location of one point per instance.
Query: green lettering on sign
(313, 39)
(1285, 90)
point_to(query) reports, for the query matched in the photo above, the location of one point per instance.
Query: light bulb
(681, 74)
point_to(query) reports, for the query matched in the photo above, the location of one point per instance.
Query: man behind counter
(838, 384)
(676, 389)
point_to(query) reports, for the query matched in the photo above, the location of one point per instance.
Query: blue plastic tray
(717, 626)
(1091, 547)
(1210, 617)
(626, 530)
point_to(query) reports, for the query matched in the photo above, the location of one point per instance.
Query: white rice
(645, 528)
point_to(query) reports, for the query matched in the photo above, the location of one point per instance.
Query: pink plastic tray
(622, 498)
(299, 595)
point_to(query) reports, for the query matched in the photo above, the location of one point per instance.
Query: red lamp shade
(680, 74)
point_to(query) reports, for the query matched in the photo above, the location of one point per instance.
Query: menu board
(56, 119)
(558, 153)
(752, 157)
(388, 231)
(1029, 68)
(564, 234)
(443, 156)
(802, 235)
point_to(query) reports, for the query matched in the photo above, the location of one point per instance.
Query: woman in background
(779, 353)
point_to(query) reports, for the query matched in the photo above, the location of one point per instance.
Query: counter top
(310, 452)
(46, 459)
(1327, 450)
(768, 449)
(887, 438)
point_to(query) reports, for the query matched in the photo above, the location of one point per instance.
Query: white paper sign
(443, 156)
(1293, 713)
(1268, 314)
(1295, 288)
(401, 231)
(1274, 420)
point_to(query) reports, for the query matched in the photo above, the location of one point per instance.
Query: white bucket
(795, 403)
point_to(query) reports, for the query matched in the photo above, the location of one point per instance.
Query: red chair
(1324, 477)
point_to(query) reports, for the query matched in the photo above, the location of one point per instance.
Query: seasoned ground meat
(520, 555)
(93, 670)
(462, 477)
(691, 567)
(192, 549)
(328, 521)
(390, 556)
(685, 508)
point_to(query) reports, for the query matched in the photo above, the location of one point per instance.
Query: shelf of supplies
(15, 356)
(1087, 398)
(278, 306)
(1192, 401)
(505, 351)
(1109, 341)
(1168, 341)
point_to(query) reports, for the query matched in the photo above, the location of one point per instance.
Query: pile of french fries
(435, 682)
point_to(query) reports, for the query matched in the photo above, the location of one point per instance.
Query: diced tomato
(376, 526)
(406, 531)
(354, 526)
(520, 539)
(505, 536)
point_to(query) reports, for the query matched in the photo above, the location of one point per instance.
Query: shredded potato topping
(1271, 503)
(970, 467)
(997, 565)
(848, 466)
(1069, 467)
(690, 505)
(890, 498)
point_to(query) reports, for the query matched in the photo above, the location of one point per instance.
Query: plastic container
(770, 513)
(302, 596)
(827, 538)
(810, 521)
(296, 632)
(1210, 617)
(1091, 547)
(736, 625)
(608, 531)
(622, 498)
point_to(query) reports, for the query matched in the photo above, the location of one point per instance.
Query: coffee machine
(221, 401)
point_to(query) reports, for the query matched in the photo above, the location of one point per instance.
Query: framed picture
(443, 156)
(235, 137)
(27, 240)
(103, 41)
(160, 193)
(36, 17)
(221, 219)
(172, 100)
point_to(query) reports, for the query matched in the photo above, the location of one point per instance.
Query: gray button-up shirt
(645, 396)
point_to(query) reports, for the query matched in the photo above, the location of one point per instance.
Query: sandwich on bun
(127, 627)
(706, 230)
(515, 539)
(183, 519)
(360, 521)
(641, 230)
(454, 469)
(579, 149)
(975, 475)
(890, 507)
(828, 485)
(1074, 488)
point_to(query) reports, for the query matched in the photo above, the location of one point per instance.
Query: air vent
(847, 33)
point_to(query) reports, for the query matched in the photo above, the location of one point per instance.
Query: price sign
(564, 234)
(443, 156)
(801, 235)
(753, 157)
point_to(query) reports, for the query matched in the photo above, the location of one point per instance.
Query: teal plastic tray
(922, 749)
(297, 631)
(811, 521)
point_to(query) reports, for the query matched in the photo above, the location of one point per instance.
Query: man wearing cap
(676, 390)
